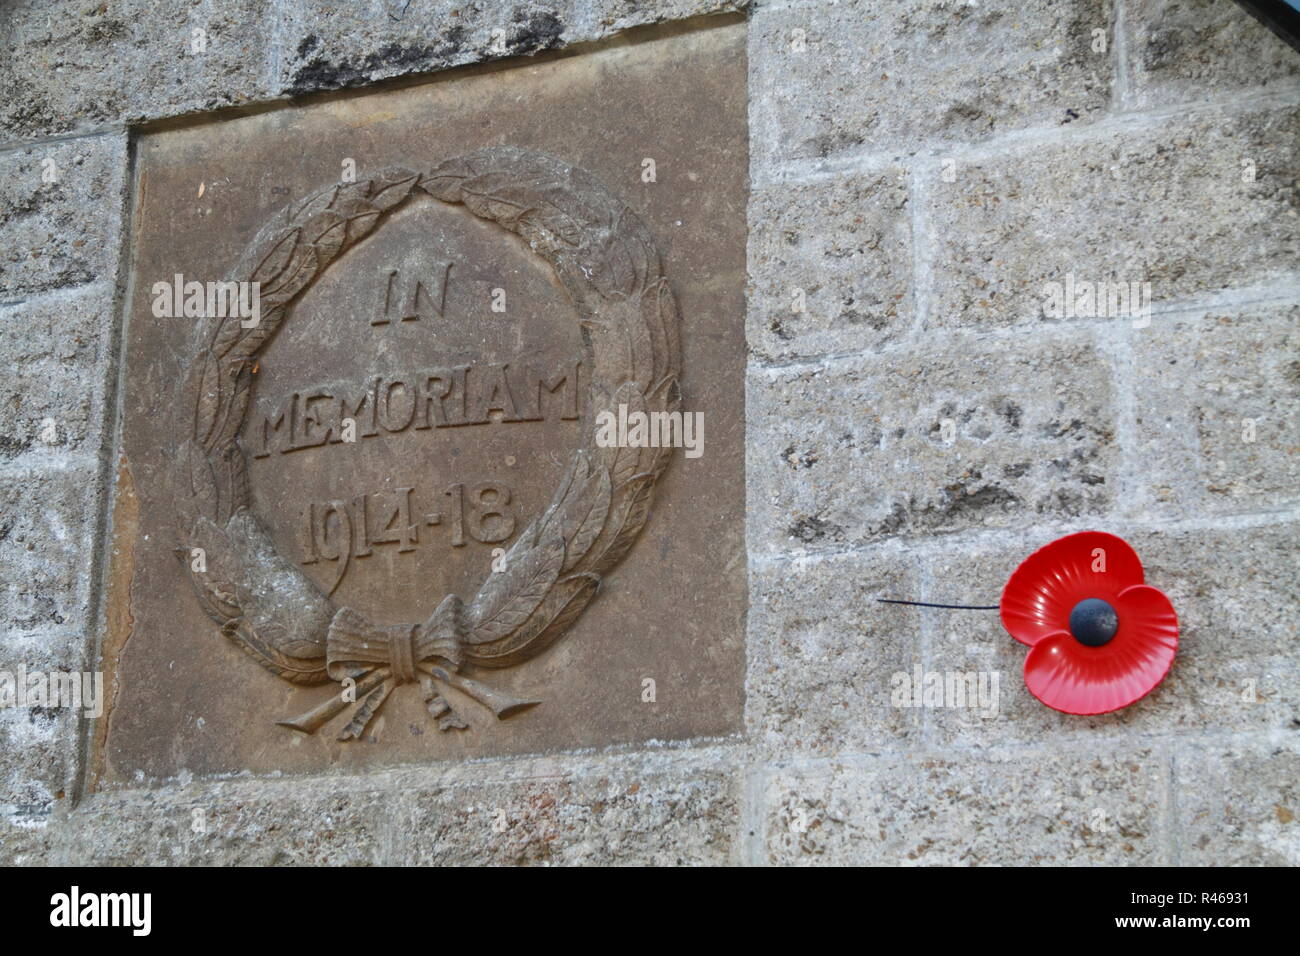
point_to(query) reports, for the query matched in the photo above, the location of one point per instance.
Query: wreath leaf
(607, 261)
(510, 596)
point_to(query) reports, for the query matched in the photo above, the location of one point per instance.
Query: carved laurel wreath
(610, 266)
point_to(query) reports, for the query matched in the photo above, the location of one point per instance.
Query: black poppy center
(1093, 622)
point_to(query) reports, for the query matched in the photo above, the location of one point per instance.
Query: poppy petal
(1042, 591)
(1072, 677)
(1152, 614)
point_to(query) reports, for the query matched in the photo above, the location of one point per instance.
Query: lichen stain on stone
(119, 619)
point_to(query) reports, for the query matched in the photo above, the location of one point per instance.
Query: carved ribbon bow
(379, 659)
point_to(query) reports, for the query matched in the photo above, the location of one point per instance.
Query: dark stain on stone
(896, 520)
(536, 31)
(962, 500)
(834, 142)
(393, 59)
(813, 528)
(1012, 413)
(797, 460)
(1058, 429)
(533, 32)
(47, 715)
(855, 317)
(11, 447)
(44, 611)
(1162, 48)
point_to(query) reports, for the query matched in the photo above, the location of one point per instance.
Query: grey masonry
(918, 172)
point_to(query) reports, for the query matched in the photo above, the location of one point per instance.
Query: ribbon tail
(438, 707)
(502, 705)
(369, 707)
(316, 718)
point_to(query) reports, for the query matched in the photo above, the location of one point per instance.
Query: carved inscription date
(343, 529)
(339, 531)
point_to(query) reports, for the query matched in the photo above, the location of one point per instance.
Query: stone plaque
(432, 422)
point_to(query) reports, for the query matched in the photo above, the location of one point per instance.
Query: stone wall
(918, 170)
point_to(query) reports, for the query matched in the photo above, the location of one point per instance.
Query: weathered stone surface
(52, 344)
(623, 816)
(38, 743)
(88, 65)
(859, 77)
(63, 328)
(830, 265)
(233, 824)
(46, 522)
(1132, 163)
(822, 652)
(610, 16)
(927, 440)
(1168, 207)
(66, 232)
(24, 842)
(996, 808)
(666, 808)
(1216, 400)
(331, 46)
(1190, 50)
(1232, 590)
(406, 526)
(1238, 803)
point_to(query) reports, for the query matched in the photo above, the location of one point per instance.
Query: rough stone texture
(62, 233)
(822, 651)
(865, 77)
(1162, 203)
(1217, 412)
(1032, 807)
(1238, 803)
(1189, 50)
(26, 841)
(929, 440)
(924, 303)
(46, 521)
(53, 343)
(662, 809)
(1233, 591)
(611, 16)
(37, 745)
(85, 65)
(329, 46)
(230, 825)
(623, 816)
(832, 263)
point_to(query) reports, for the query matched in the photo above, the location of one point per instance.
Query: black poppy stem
(954, 607)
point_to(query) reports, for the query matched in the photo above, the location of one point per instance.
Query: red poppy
(1099, 637)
